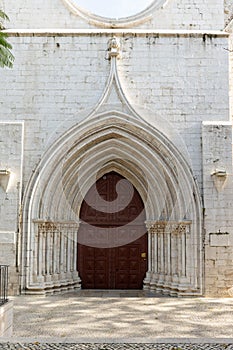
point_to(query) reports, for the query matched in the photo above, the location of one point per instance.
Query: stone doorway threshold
(115, 293)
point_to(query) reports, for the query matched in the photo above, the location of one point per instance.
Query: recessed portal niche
(112, 241)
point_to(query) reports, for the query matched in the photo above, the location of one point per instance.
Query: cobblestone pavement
(74, 317)
(129, 346)
(77, 321)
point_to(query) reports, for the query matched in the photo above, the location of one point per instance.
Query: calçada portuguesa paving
(120, 320)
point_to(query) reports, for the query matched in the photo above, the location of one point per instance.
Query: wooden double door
(112, 239)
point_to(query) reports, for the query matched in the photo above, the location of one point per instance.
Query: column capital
(175, 227)
(48, 225)
(155, 226)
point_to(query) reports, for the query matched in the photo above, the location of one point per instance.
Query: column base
(173, 286)
(54, 284)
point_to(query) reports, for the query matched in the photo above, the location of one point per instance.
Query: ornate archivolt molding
(127, 145)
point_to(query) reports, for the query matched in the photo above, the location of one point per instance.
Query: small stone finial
(113, 48)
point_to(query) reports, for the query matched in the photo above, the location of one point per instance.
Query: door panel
(119, 265)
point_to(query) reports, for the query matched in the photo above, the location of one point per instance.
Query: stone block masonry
(174, 14)
(162, 102)
(11, 150)
(183, 78)
(217, 181)
(53, 99)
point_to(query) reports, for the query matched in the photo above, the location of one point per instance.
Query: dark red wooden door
(112, 239)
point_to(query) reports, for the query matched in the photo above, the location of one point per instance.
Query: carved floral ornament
(90, 11)
(157, 227)
(50, 226)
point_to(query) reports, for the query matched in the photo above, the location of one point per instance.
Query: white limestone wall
(184, 82)
(231, 67)
(174, 82)
(175, 14)
(11, 151)
(218, 202)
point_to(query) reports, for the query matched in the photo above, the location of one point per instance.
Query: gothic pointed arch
(114, 141)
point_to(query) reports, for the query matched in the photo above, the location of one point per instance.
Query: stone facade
(172, 15)
(149, 98)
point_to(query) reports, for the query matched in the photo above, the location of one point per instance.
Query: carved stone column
(184, 278)
(168, 257)
(74, 243)
(167, 277)
(159, 229)
(152, 259)
(49, 231)
(180, 279)
(68, 255)
(41, 250)
(55, 257)
(155, 277)
(175, 257)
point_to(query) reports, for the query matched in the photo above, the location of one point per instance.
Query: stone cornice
(116, 32)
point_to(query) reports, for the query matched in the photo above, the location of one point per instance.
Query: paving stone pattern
(94, 346)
